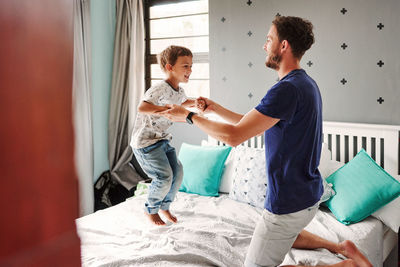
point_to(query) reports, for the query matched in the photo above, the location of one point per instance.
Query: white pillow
(249, 176)
(327, 167)
(326, 154)
(390, 214)
(227, 174)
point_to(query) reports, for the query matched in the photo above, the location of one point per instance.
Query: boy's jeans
(160, 163)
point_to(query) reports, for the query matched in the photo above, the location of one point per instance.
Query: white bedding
(212, 231)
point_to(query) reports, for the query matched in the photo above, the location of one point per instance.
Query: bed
(216, 230)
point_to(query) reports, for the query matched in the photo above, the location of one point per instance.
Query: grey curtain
(82, 106)
(127, 89)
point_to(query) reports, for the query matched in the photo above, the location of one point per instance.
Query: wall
(185, 133)
(103, 30)
(239, 78)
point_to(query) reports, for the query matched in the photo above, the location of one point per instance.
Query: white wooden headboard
(382, 142)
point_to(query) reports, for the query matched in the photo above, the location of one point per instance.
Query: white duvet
(212, 231)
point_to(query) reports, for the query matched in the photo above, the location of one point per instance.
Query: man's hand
(175, 113)
(200, 104)
(209, 104)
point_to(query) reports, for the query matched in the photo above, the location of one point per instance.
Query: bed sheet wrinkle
(367, 235)
(311, 257)
(211, 231)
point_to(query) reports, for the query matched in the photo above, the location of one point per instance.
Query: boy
(150, 141)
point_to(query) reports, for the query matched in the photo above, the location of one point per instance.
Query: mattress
(211, 231)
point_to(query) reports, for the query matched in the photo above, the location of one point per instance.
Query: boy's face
(182, 69)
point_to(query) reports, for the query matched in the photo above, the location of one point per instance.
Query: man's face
(271, 46)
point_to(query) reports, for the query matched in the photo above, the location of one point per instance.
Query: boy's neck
(173, 83)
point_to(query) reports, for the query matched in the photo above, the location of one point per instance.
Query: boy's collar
(175, 89)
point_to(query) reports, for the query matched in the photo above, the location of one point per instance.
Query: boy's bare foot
(169, 216)
(155, 219)
(348, 249)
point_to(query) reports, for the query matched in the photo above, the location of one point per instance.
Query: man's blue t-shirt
(293, 145)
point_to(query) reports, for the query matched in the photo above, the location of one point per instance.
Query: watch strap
(189, 117)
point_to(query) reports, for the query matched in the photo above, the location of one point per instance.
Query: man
(290, 114)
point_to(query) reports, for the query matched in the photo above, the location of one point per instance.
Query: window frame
(201, 57)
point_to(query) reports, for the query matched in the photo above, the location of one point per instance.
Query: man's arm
(251, 124)
(226, 114)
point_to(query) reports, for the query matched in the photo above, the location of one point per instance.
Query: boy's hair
(170, 55)
(297, 31)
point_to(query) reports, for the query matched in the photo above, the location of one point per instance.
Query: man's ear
(168, 67)
(284, 45)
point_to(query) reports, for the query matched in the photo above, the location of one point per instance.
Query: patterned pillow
(249, 176)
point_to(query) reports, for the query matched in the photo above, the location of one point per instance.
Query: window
(183, 23)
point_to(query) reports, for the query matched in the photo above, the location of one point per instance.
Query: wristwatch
(189, 117)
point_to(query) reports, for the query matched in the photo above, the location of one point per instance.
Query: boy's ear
(168, 67)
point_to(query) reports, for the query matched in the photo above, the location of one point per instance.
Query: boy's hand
(209, 104)
(200, 104)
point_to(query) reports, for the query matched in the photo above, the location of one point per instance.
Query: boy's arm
(149, 108)
(189, 103)
(251, 124)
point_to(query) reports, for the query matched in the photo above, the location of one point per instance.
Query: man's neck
(286, 66)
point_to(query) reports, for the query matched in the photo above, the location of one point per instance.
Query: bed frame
(382, 143)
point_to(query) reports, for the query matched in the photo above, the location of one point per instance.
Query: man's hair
(297, 31)
(170, 55)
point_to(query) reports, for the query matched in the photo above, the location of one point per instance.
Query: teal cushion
(202, 168)
(361, 187)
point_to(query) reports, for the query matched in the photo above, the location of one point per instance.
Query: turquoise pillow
(361, 187)
(202, 168)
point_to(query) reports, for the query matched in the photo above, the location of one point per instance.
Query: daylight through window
(182, 23)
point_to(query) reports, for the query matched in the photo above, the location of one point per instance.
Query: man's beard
(273, 61)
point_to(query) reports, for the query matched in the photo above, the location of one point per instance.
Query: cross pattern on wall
(343, 46)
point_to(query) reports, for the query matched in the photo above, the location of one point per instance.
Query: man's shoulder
(299, 76)
(284, 87)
